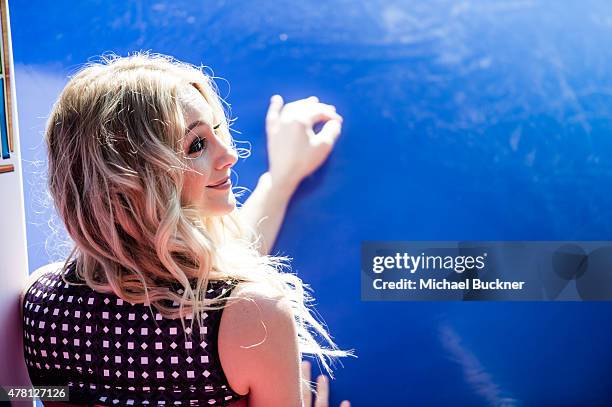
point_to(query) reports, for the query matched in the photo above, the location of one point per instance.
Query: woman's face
(207, 182)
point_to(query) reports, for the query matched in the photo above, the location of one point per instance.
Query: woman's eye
(197, 145)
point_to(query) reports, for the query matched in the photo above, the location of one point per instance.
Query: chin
(221, 208)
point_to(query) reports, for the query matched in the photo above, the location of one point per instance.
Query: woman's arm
(294, 152)
(258, 347)
(265, 209)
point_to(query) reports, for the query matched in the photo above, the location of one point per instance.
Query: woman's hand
(294, 149)
(322, 398)
(294, 152)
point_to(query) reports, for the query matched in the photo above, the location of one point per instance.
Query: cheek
(195, 184)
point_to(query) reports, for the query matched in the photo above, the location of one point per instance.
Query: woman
(169, 296)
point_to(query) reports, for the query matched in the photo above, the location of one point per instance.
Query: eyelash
(200, 140)
(193, 148)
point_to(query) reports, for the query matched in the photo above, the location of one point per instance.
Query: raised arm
(294, 152)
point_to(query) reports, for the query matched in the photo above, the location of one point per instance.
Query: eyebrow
(199, 123)
(196, 124)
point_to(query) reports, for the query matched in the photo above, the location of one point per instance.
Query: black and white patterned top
(111, 352)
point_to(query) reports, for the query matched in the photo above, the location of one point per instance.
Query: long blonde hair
(115, 174)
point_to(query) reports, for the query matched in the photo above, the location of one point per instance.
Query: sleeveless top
(110, 352)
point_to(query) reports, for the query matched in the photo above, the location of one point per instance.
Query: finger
(328, 106)
(306, 393)
(345, 403)
(276, 104)
(322, 399)
(329, 133)
(321, 112)
(306, 369)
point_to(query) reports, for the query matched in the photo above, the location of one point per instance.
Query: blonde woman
(169, 296)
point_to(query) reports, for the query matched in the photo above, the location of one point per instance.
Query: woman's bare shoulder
(251, 307)
(256, 290)
(256, 325)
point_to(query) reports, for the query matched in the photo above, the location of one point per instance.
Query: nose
(227, 157)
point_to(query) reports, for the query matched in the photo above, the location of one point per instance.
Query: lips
(223, 181)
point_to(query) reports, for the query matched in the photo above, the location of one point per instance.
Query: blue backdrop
(463, 120)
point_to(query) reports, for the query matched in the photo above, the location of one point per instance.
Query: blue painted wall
(463, 120)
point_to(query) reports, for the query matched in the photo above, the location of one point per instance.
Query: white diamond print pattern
(143, 358)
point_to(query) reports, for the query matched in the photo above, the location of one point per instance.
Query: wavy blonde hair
(116, 173)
